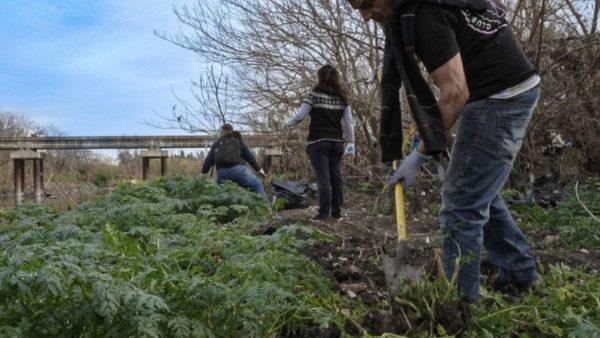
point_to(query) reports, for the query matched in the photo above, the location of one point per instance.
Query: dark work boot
(319, 217)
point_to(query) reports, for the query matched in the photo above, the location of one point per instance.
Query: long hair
(329, 81)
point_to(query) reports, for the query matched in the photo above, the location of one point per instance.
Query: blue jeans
(242, 176)
(473, 216)
(326, 160)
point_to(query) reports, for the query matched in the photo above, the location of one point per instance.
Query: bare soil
(353, 261)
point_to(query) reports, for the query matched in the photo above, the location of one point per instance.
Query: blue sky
(92, 67)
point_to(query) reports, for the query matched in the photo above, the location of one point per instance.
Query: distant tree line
(65, 169)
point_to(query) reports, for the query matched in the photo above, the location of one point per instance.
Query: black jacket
(400, 68)
(245, 152)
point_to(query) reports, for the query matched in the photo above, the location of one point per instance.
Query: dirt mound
(354, 265)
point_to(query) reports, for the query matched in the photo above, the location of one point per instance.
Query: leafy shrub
(566, 304)
(104, 175)
(150, 261)
(576, 227)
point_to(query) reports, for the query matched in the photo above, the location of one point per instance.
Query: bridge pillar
(42, 186)
(272, 157)
(18, 179)
(145, 167)
(149, 154)
(19, 158)
(37, 181)
(163, 166)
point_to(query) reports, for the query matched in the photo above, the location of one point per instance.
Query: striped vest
(325, 116)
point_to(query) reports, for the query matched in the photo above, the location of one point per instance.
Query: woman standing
(327, 106)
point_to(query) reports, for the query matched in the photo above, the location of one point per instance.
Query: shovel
(394, 263)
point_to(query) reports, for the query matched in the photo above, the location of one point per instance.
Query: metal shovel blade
(397, 272)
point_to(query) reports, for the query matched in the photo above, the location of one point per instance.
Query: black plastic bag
(296, 194)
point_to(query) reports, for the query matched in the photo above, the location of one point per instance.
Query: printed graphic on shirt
(320, 100)
(488, 22)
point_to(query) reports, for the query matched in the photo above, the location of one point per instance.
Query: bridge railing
(32, 148)
(120, 142)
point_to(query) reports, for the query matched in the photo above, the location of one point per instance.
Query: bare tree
(16, 125)
(209, 109)
(560, 35)
(270, 50)
(68, 163)
(130, 163)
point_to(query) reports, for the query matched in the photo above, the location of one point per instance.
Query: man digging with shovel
(485, 79)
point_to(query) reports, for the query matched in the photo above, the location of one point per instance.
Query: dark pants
(326, 160)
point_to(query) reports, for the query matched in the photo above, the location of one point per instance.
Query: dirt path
(353, 260)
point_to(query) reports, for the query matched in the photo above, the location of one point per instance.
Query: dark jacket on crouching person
(234, 167)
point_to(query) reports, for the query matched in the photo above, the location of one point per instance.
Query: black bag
(296, 194)
(227, 152)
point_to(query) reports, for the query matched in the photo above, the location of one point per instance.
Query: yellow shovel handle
(400, 214)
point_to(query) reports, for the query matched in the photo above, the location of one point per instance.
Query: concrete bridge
(32, 148)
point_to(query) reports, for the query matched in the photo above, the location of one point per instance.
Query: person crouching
(229, 154)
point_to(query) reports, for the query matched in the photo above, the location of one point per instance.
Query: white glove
(350, 149)
(262, 173)
(408, 169)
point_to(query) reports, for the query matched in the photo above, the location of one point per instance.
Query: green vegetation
(575, 226)
(174, 258)
(168, 258)
(566, 304)
(105, 175)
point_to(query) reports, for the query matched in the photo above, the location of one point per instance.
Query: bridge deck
(119, 142)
